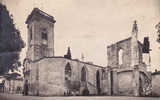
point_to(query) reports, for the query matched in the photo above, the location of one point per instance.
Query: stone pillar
(115, 82)
(109, 82)
(136, 81)
(37, 80)
(134, 46)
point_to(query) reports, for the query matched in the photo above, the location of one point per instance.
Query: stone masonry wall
(125, 80)
(106, 85)
(35, 50)
(51, 80)
(155, 84)
(113, 50)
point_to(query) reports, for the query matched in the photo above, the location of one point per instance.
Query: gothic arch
(67, 75)
(84, 74)
(68, 70)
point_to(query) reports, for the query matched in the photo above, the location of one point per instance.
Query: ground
(20, 97)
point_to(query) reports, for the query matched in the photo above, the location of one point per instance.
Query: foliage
(11, 42)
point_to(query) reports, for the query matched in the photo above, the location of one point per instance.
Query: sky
(89, 26)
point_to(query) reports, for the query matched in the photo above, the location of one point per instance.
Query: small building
(11, 83)
(2, 82)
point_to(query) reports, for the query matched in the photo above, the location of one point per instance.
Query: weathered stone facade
(40, 35)
(130, 76)
(155, 83)
(48, 75)
(124, 45)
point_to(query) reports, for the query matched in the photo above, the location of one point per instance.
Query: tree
(11, 42)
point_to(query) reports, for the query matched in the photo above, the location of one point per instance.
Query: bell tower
(40, 27)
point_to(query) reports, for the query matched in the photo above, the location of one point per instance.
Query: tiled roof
(40, 13)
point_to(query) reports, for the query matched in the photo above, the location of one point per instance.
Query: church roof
(71, 60)
(40, 13)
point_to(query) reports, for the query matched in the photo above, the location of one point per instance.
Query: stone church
(49, 75)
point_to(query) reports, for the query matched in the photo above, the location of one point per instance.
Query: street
(20, 97)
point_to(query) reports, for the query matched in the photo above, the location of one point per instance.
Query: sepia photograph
(79, 49)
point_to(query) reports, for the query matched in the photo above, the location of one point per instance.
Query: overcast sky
(88, 26)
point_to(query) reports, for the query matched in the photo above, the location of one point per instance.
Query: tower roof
(40, 13)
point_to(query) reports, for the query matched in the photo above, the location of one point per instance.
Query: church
(49, 75)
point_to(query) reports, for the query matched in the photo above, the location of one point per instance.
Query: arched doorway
(85, 92)
(98, 82)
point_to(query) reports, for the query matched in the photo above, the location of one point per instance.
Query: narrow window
(31, 33)
(44, 34)
(120, 57)
(68, 70)
(83, 74)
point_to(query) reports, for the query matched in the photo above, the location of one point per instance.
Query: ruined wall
(113, 51)
(125, 80)
(145, 88)
(134, 81)
(51, 76)
(125, 46)
(106, 82)
(155, 84)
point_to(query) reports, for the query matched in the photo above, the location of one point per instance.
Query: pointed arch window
(68, 70)
(98, 82)
(44, 35)
(83, 74)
